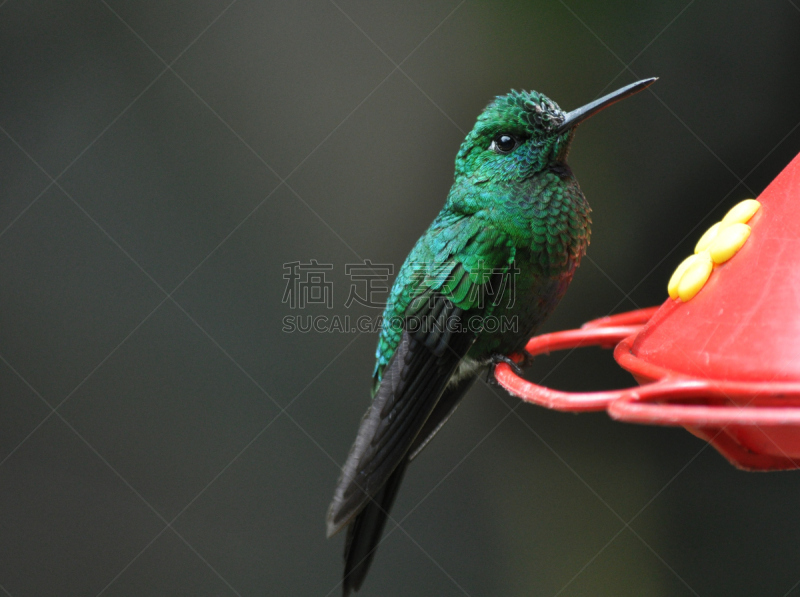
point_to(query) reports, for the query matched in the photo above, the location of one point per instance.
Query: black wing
(412, 384)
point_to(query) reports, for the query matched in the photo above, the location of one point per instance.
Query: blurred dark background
(162, 161)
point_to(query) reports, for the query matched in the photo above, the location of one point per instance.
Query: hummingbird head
(520, 134)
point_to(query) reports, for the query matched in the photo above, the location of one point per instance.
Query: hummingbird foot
(496, 359)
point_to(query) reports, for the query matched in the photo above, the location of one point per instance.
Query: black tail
(364, 533)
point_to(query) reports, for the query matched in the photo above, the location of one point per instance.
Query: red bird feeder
(721, 357)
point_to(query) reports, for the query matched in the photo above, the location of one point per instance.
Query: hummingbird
(487, 272)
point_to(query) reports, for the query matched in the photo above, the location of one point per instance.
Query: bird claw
(501, 358)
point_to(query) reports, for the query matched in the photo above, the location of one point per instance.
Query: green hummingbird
(491, 267)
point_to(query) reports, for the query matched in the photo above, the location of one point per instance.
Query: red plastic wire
(756, 425)
(607, 337)
(606, 332)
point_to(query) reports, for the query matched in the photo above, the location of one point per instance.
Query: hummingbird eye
(504, 143)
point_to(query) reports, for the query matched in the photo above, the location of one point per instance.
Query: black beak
(575, 117)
